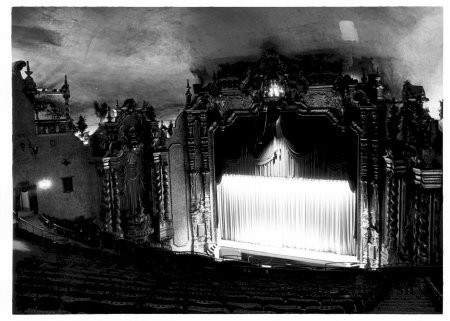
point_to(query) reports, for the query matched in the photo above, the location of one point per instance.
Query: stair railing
(29, 227)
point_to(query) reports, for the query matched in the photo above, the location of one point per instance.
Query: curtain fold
(316, 215)
(280, 158)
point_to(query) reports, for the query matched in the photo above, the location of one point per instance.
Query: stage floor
(240, 250)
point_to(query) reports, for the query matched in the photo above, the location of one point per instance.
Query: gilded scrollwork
(325, 98)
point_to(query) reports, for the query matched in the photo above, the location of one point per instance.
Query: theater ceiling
(148, 53)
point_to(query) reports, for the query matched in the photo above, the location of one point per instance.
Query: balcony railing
(52, 127)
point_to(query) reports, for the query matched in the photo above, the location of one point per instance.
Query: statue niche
(126, 210)
(133, 194)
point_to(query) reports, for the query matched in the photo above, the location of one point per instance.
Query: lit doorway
(25, 199)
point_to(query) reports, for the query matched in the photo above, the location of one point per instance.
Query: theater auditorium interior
(227, 160)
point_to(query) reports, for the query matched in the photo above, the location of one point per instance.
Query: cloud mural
(148, 53)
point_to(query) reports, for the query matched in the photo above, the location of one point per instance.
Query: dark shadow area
(53, 278)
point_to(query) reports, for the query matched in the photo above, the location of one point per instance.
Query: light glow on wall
(432, 105)
(44, 184)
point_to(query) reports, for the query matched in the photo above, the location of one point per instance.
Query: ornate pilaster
(106, 202)
(166, 188)
(200, 177)
(421, 235)
(192, 150)
(392, 213)
(406, 229)
(111, 197)
(158, 187)
(162, 195)
(204, 142)
(116, 204)
(369, 201)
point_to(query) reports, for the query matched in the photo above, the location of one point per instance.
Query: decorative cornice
(428, 178)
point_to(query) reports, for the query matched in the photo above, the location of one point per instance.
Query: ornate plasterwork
(136, 189)
(200, 176)
(234, 89)
(323, 98)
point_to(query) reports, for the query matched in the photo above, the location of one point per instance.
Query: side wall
(48, 164)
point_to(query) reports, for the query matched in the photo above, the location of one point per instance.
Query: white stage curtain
(317, 215)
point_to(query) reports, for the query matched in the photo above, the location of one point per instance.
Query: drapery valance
(282, 158)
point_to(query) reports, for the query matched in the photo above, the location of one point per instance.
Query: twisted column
(422, 226)
(166, 190)
(416, 226)
(158, 188)
(106, 203)
(393, 213)
(116, 204)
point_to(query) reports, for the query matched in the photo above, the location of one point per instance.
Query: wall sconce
(52, 143)
(34, 149)
(65, 162)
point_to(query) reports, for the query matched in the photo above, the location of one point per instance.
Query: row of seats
(78, 283)
(85, 305)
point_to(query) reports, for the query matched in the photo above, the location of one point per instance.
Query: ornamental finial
(28, 72)
(65, 90)
(109, 117)
(29, 86)
(188, 93)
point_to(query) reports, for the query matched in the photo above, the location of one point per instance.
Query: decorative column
(162, 195)
(166, 187)
(206, 177)
(111, 197)
(116, 205)
(106, 198)
(200, 176)
(194, 202)
(158, 187)
(392, 210)
(369, 201)
(406, 220)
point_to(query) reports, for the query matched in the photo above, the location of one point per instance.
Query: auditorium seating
(71, 280)
(330, 309)
(205, 309)
(281, 308)
(248, 306)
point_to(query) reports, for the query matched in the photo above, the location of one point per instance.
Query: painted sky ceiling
(148, 53)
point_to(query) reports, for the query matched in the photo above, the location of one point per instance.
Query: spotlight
(275, 90)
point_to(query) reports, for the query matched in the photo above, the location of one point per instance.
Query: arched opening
(25, 199)
(287, 183)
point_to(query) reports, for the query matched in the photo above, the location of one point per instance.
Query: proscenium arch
(351, 128)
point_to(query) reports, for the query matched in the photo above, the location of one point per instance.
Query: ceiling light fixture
(348, 31)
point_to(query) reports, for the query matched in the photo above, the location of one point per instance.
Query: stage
(268, 255)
